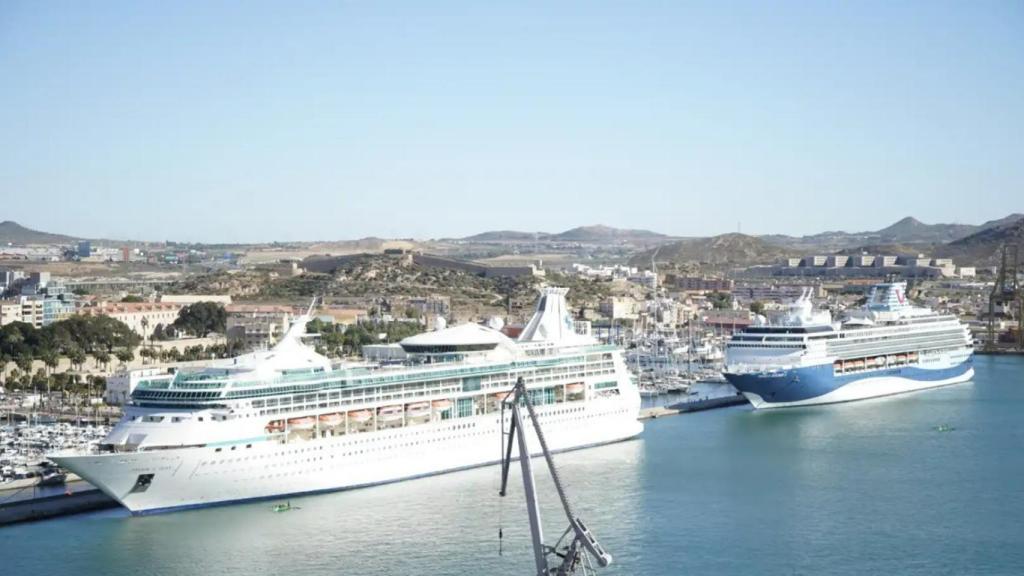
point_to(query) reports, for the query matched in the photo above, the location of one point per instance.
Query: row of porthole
(411, 444)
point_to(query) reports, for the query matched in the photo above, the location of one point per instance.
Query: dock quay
(692, 406)
(79, 497)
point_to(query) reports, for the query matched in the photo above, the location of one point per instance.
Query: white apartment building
(257, 326)
(141, 317)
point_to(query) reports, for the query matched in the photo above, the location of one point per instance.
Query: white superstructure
(289, 421)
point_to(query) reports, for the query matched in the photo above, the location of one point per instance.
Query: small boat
(500, 396)
(302, 423)
(944, 428)
(287, 506)
(418, 409)
(441, 405)
(332, 419)
(360, 416)
(52, 478)
(275, 426)
(391, 413)
(576, 388)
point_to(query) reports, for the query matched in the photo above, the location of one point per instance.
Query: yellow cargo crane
(1006, 298)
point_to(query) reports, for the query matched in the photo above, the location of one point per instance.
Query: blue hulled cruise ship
(889, 346)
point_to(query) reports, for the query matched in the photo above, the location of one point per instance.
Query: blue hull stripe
(815, 381)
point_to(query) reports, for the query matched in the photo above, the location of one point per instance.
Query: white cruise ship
(288, 421)
(888, 347)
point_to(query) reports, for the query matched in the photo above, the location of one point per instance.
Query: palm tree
(77, 357)
(103, 357)
(125, 356)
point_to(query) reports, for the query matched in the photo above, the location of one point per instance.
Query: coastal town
(84, 321)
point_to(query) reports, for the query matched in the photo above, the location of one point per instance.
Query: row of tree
(76, 338)
(340, 340)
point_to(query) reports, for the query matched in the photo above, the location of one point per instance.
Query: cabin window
(470, 384)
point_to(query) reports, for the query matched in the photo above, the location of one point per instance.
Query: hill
(597, 234)
(724, 250)
(912, 230)
(983, 247)
(909, 232)
(14, 233)
(505, 236)
(606, 234)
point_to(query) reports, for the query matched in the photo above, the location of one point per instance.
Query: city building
(9, 279)
(837, 261)
(186, 299)
(45, 300)
(10, 311)
(885, 261)
(141, 317)
(727, 320)
(31, 311)
(695, 284)
(257, 326)
(619, 308)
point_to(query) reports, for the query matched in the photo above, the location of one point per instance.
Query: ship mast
(557, 559)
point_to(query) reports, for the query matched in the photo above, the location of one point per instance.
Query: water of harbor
(863, 488)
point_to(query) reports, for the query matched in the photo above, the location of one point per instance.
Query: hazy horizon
(226, 123)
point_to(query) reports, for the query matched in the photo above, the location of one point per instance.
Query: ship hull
(214, 475)
(813, 385)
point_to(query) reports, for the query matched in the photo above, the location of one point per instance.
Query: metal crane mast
(1007, 295)
(582, 546)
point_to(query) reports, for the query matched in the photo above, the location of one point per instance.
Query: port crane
(1007, 295)
(576, 549)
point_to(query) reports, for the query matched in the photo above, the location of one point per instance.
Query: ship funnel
(551, 321)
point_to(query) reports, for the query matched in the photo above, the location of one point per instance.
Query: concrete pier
(692, 406)
(85, 499)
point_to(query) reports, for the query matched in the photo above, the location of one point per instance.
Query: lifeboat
(418, 409)
(500, 396)
(576, 388)
(901, 358)
(332, 419)
(275, 426)
(441, 404)
(360, 416)
(390, 413)
(858, 364)
(302, 423)
(912, 357)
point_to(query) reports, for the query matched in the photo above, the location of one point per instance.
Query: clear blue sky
(246, 121)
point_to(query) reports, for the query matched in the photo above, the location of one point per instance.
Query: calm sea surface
(863, 488)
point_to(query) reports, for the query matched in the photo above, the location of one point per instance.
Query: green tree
(24, 362)
(125, 356)
(133, 298)
(201, 318)
(77, 358)
(757, 307)
(720, 300)
(103, 357)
